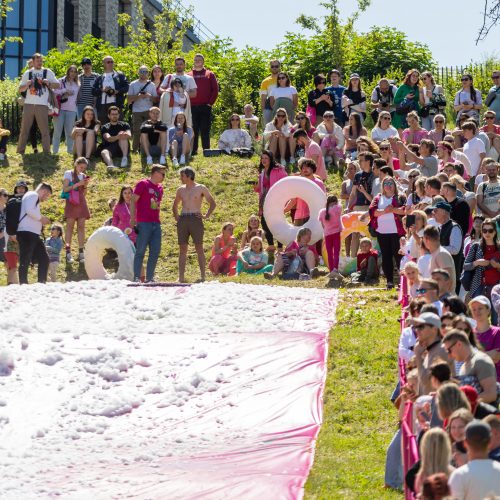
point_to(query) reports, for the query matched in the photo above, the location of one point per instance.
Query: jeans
(31, 247)
(394, 463)
(428, 122)
(202, 120)
(65, 120)
(389, 248)
(149, 235)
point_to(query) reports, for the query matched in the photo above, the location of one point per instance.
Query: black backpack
(13, 215)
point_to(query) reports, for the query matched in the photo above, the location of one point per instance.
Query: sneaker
(69, 258)
(304, 277)
(163, 160)
(81, 257)
(283, 161)
(268, 276)
(149, 160)
(390, 285)
(112, 168)
(315, 273)
(2, 156)
(182, 161)
(124, 163)
(175, 162)
(292, 160)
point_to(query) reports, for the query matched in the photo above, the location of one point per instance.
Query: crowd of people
(430, 197)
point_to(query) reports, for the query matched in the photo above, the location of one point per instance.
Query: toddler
(54, 244)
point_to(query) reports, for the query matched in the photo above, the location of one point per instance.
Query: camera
(142, 92)
(110, 92)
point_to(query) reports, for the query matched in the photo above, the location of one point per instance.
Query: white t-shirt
(424, 265)
(475, 480)
(68, 175)
(472, 149)
(108, 81)
(386, 224)
(30, 214)
(187, 80)
(490, 191)
(379, 135)
(37, 93)
(287, 92)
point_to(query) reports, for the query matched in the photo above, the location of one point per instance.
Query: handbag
(74, 197)
(467, 276)
(405, 106)
(242, 152)
(53, 104)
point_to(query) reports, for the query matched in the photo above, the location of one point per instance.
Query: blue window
(44, 24)
(31, 14)
(13, 15)
(12, 48)
(29, 45)
(12, 67)
(44, 45)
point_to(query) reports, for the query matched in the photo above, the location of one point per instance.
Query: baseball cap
(482, 299)
(21, 184)
(354, 75)
(426, 319)
(86, 60)
(442, 204)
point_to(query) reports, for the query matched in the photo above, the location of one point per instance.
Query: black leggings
(31, 247)
(389, 248)
(268, 234)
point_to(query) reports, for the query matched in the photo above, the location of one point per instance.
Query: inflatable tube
(352, 224)
(115, 239)
(284, 190)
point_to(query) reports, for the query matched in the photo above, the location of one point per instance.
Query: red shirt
(491, 276)
(148, 204)
(362, 256)
(496, 129)
(207, 87)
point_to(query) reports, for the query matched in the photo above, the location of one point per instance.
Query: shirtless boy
(190, 220)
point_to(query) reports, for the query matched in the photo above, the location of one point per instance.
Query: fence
(480, 72)
(11, 117)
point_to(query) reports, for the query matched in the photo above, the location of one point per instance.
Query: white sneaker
(111, 168)
(292, 160)
(81, 257)
(283, 162)
(175, 162)
(2, 156)
(69, 258)
(149, 160)
(163, 161)
(124, 163)
(182, 160)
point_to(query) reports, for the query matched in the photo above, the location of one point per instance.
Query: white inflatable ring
(284, 190)
(102, 239)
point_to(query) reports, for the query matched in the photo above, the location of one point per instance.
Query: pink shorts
(11, 259)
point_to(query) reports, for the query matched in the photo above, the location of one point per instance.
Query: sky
(448, 27)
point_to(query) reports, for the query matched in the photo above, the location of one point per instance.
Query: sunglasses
(274, 67)
(386, 118)
(280, 116)
(388, 184)
(419, 327)
(489, 117)
(384, 149)
(421, 290)
(143, 71)
(328, 117)
(5, 195)
(438, 121)
(465, 79)
(413, 176)
(235, 119)
(281, 77)
(449, 349)
(487, 231)
(301, 118)
(108, 62)
(322, 83)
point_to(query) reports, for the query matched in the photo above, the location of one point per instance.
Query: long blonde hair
(435, 453)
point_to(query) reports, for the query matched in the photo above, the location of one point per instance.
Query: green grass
(358, 418)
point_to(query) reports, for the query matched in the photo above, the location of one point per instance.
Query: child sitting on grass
(253, 229)
(367, 271)
(412, 278)
(299, 260)
(253, 260)
(54, 245)
(250, 120)
(223, 251)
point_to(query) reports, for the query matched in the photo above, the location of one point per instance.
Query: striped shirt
(85, 97)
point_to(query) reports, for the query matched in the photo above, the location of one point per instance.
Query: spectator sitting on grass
(154, 137)
(253, 260)
(367, 270)
(234, 137)
(116, 136)
(223, 251)
(298, 259)
(253, 229)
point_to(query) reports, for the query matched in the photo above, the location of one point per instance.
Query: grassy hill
(358, 419)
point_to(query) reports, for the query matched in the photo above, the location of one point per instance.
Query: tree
(491, 17)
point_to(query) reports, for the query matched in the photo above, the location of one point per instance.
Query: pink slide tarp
(230, 410)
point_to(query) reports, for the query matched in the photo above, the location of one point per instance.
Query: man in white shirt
(187, 80)
(36, 82)
(28, 233)
(480, 477)
(474, 149)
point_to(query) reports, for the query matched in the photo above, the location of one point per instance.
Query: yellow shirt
(267, 84)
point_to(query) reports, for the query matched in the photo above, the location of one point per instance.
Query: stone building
(44, 24)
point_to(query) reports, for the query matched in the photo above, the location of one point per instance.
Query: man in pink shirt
(307, 169)
(145, 210)
(312, 151)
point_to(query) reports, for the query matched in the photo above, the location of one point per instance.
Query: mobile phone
(410, 220)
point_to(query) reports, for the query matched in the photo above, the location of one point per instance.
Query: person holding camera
(76, 211)
(432, 100)
(110, 89)
(115, 139)
(468, 100)
(37, 82)
(382, 98)
(141, 93)
(31, 221)
(154, 137)
(68, 93)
